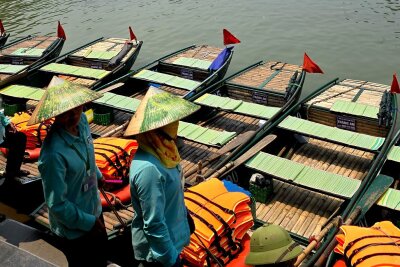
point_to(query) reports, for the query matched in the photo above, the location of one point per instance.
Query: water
(347, 39)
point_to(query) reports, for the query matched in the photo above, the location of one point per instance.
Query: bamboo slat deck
(298, 210)
(204, 52)
(362, 92)
(110, 220)
(40, 42)
(192, 153)
(109, 45)
(302, 211)
(257, 76)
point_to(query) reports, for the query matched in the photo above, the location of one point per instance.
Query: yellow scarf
(156, 143)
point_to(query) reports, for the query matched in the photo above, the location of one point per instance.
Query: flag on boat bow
(132, 36)
(1, 28)
(61, 32)
(310, 66)
(395, 88)
(229, 38)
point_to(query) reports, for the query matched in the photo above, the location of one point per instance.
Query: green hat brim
(270, 257)
(157, 109)
(60, 97)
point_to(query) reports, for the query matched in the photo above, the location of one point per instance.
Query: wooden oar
(245, 157)
(121, 221)
(377, 188)
(316, 240)
(240, 139)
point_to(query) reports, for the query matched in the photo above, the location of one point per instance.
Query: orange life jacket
(221, 219)
(378, 245)
(113, 157)
(35, 134)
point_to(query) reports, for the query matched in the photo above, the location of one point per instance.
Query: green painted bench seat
(304, 175)
(357, 109)
(237, 106)
(391, 199)
(313, 129)
(167, 79)
(21, 91)
(394, 154)
(30, 52)
(102, 55)
(120, 102)
(193, 62)
(12, 69)
(75, 71)
(204, 135)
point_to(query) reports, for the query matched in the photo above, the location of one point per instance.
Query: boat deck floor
(302, 211)
(193, 152)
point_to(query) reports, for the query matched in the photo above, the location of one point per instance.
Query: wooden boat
(286, 77)
(386, 208)
(184, 72)
(92, 65)
(19, 59)
(312, 169)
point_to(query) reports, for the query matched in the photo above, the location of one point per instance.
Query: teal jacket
(4, 121)
(160, 228)
(70, 193)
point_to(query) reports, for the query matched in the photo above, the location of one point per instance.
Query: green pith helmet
(271, 244)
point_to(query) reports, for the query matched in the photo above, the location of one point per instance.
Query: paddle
(377, 188)
(240, 139)
(316, 240)
(245, 157)
(121, 221)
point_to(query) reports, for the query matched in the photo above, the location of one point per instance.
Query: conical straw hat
(157, 109)
(61, 96)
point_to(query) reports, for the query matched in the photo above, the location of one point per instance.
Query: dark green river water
(348, 39)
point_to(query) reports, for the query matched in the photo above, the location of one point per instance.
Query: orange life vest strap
(211, 227)
(227, 228)
(226, 210)
(350, 258)
(359, 261)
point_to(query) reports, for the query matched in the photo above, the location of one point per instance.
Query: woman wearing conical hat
(70, 175)
(160, 228)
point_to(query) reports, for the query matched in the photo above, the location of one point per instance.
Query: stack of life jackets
(378, 245)
(113, 157)
(221, 220)
(35, 134)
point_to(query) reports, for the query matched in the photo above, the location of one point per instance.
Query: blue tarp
(221, 58)
(231, 187)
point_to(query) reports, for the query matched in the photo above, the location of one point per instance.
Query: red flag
(1, 27)
(395, 88)
(60, 32)
(229, 38)
(131, 34)
(310, 66)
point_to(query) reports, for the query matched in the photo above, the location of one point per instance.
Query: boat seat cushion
(333, 134)
(11, 69)
(357, 109)
(102, 55)
(301, 174)
(237, 106)
(204, 135)
(120, 102)
(394, 154)
(31, 52)
(167, 79)
(193, 62)
(391, 199)
(75, 71)
(21, 91)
